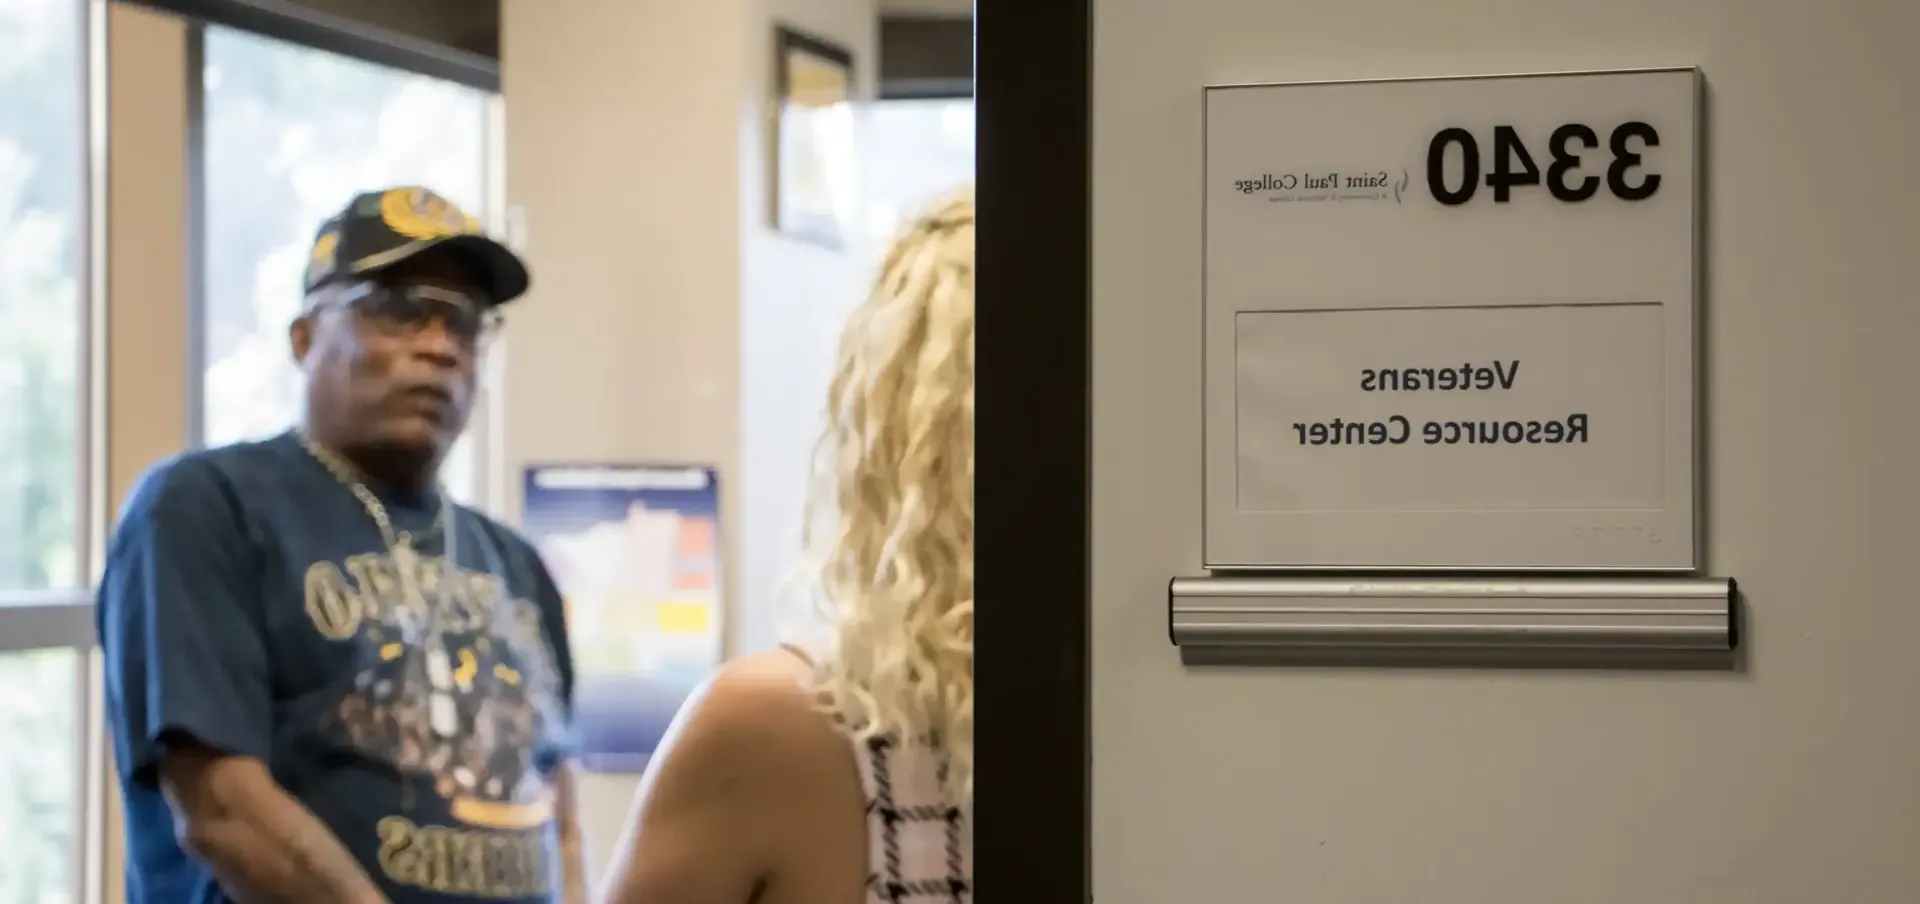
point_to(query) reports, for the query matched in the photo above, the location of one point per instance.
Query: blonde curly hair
(889, 523)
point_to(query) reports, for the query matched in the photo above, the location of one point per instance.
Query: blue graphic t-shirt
(418, 704)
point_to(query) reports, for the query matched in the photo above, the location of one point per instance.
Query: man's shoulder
(495, 529)
(519, 550)
(192, 480)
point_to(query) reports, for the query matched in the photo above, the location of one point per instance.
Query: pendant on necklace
(442, 714)
(406, 565)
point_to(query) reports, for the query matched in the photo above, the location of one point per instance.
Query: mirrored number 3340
(1566, 176)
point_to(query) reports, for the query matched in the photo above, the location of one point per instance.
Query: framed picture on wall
(811, 188)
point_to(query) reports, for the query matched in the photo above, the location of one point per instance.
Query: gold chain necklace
(408, 568)
(349, 477)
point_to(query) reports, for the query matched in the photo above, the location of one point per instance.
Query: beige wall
(665, 322)
(146, 296)
(1793, 782)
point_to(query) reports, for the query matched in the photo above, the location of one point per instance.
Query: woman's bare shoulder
(752, 781)
(768, 682)
(764, 701)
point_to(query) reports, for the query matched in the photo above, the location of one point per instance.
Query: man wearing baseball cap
(326, 681)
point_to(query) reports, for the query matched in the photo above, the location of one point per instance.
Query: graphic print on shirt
(454, 682)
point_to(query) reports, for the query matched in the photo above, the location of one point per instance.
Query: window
(918, 150)
(40, 766)
(42, 361)
(290, 134)
(42, 123)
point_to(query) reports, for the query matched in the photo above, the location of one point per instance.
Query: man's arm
(573, 846)
(265, 847)
(189, 691)
(574, 887)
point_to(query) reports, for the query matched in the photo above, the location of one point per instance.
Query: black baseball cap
(379, 229)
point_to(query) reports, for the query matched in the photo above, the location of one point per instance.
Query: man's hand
(573, 851)
(264, 846)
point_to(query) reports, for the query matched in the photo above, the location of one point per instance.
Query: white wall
(665, 323)
(794, 299)
(1790, 783)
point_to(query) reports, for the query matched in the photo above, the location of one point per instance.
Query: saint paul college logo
(1327, 186)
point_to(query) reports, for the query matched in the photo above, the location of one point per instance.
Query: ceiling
(958, 9)
(929, 41)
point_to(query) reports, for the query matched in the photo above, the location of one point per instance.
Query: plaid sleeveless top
(919, 846)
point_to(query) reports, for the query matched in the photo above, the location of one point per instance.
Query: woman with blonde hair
(844, 774)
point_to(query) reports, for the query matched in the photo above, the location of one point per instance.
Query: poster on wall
(634, 550)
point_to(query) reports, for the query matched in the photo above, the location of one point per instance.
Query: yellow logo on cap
(420, 214)
(325, 248)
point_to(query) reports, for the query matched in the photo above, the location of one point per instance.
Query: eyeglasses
(406, 310)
